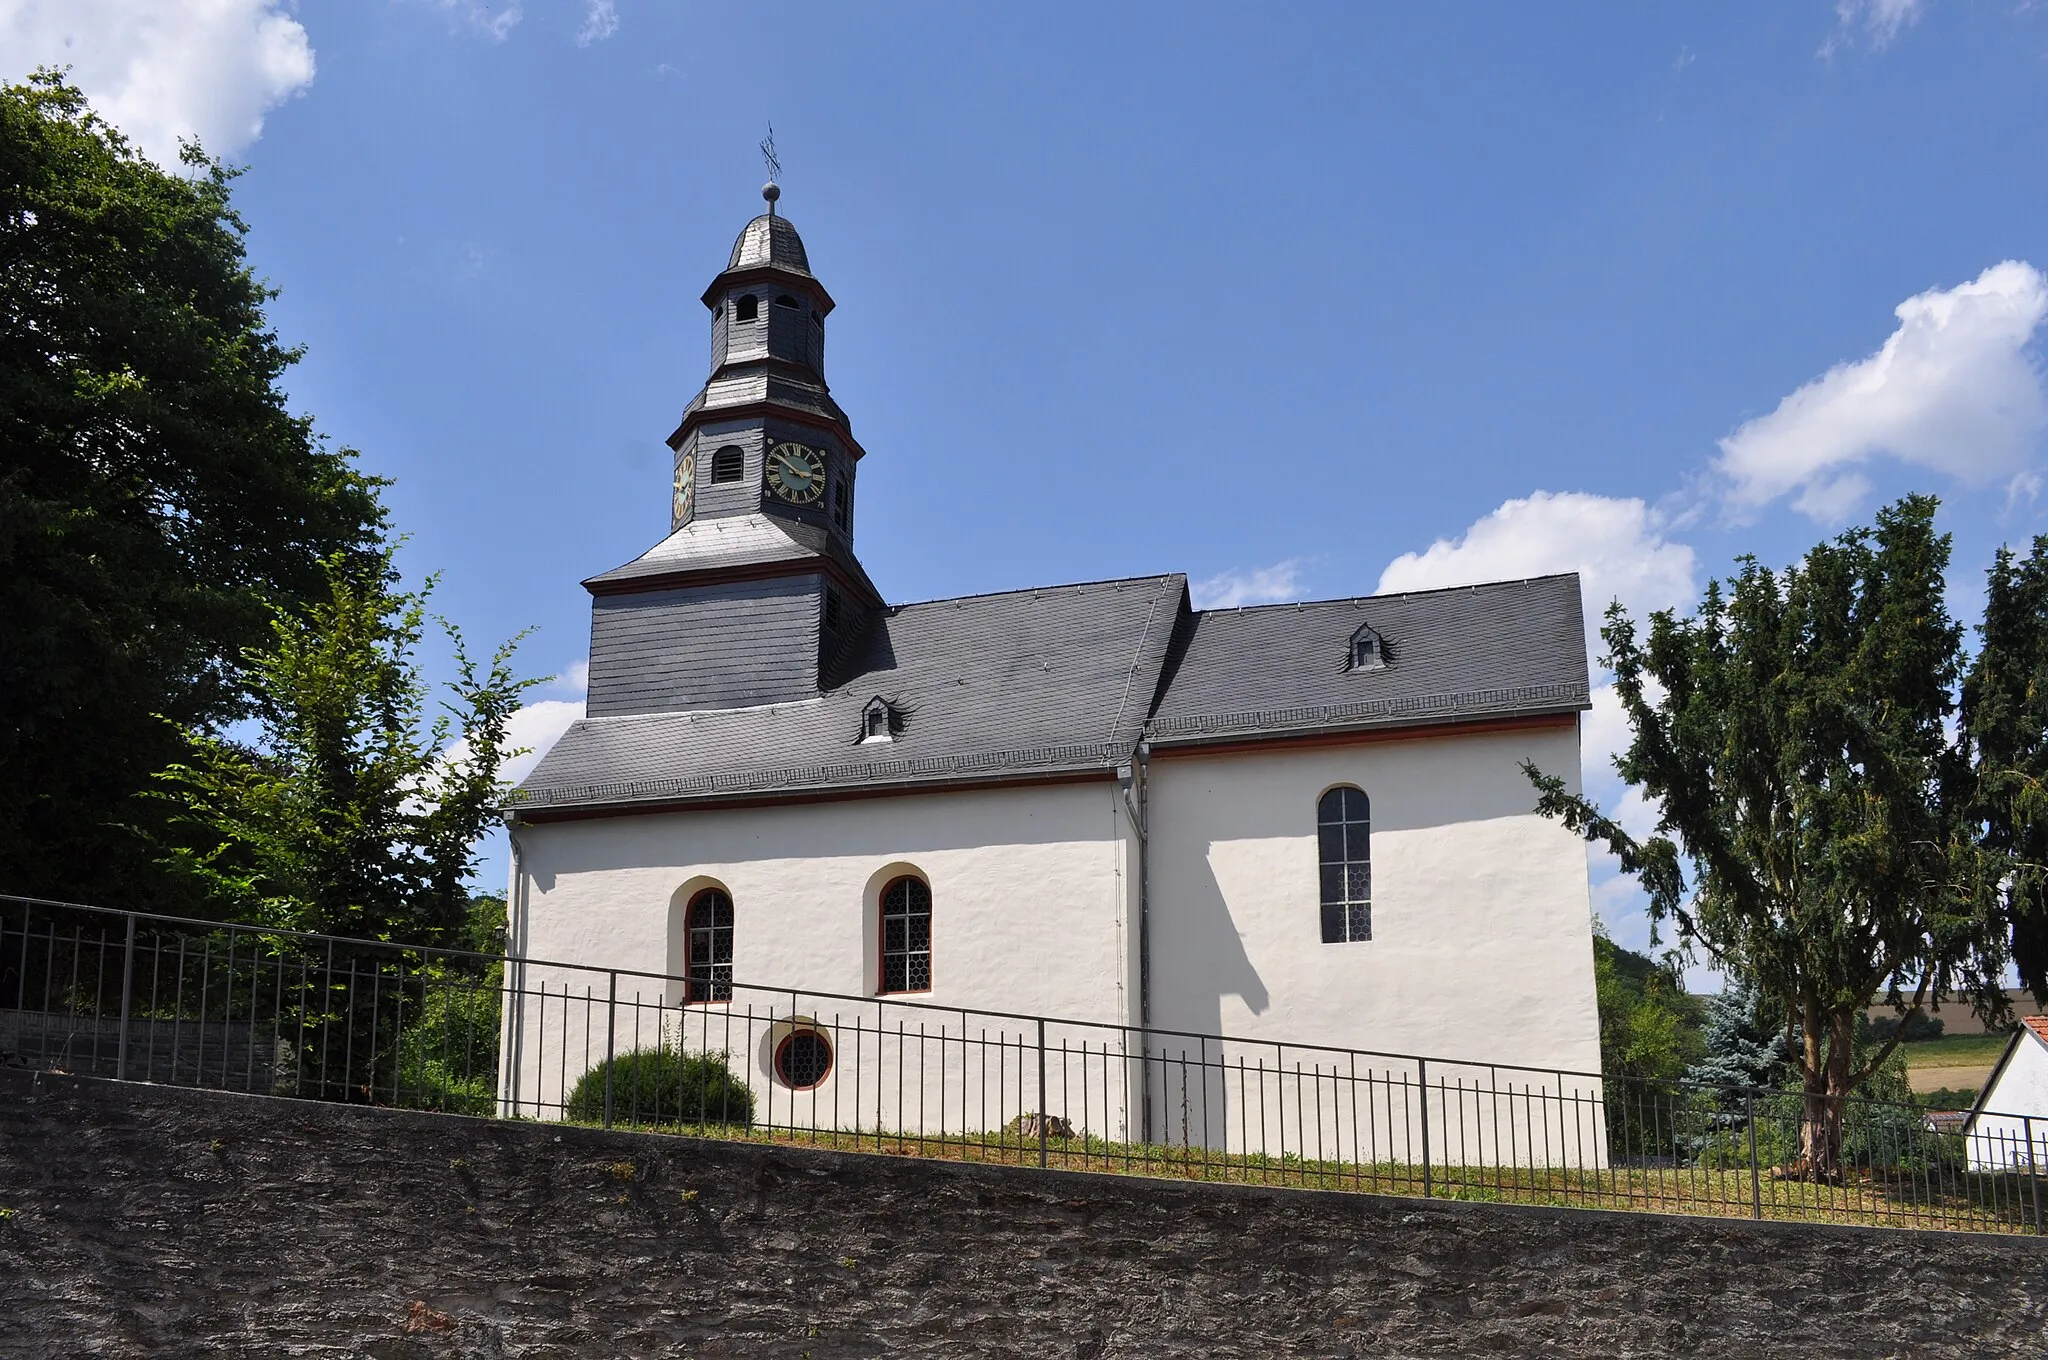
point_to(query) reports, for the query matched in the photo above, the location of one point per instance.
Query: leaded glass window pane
(710, 933)
(907, 936)
(1344, 870)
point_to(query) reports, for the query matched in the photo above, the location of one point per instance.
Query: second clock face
(686, 489)
(796, 473)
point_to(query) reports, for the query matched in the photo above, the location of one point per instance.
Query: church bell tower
(764, 435)
(755, 596)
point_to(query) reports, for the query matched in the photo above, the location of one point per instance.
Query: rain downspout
(512, 1046)
(1135, 778)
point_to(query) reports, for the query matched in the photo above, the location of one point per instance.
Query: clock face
(686, 489)
(796, 473)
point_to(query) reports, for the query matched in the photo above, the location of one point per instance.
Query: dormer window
(878, 721)
(747, 308)
(1368, 651)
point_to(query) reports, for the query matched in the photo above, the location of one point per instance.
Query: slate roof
(988, 686)
(1068, 678)
(770, 240)
(734, 541)
(1504, 649)
(748, 388)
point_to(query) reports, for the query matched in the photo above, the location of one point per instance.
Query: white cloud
(1879, 22)
(1955, 389)
(600, 21)
(1616, 545)
(165, 70)
(1255, 585)
(535, 728)
(493, 21)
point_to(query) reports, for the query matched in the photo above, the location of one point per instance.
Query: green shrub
(664, 1086)
(448, 1046)
(1948, 1098)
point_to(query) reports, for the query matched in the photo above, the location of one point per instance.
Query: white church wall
(2013, 1133)
(1030, 891)
(1481, 950)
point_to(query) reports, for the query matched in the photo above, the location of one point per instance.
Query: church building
(1092, 801)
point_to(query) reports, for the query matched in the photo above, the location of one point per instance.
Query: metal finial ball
(771, 191)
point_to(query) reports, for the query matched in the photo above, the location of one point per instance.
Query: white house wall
(1481, 952)
(1030, 890)
(2014, 1130)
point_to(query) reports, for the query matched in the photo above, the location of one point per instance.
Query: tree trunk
(1825, 1086)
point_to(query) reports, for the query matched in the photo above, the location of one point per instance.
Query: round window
(803, 1060)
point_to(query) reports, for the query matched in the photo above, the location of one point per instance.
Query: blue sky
(1302, 300)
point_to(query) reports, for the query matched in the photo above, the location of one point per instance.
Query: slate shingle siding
(748, 642)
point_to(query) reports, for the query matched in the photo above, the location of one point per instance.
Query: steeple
(757, 570)
(764, 435)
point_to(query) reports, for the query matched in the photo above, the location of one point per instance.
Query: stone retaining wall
(148, 1221)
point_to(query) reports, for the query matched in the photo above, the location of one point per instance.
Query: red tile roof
(2038, 1024)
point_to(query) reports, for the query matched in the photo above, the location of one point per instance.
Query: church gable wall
(715, 646)
(1480, 944)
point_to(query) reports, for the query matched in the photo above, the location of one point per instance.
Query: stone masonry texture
(149, 1221)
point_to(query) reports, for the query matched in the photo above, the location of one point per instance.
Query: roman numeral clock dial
(686, 490)
(795, 473)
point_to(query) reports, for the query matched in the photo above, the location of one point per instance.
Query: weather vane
(769, 190)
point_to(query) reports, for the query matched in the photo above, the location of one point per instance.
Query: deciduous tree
(157, 497)
(349, 815)
(1794, 737)
(2005, 718)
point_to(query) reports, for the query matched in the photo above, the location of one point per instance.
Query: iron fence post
(1756, 1183)
(1422, 1084)
(127, 984)
(611, 1029)
(2033, 1170)
(1042, 1115)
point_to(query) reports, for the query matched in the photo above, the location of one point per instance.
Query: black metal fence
(150, 998)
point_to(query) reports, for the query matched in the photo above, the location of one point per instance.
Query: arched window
(907, 936)
(1344, 852)
(708, 924)
(729, 464)
(787, 301)
(747, 308)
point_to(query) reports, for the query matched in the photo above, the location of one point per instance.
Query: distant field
(1957, 1060)
(1955, 1049)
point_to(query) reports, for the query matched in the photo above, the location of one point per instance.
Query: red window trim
(831, 1058)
